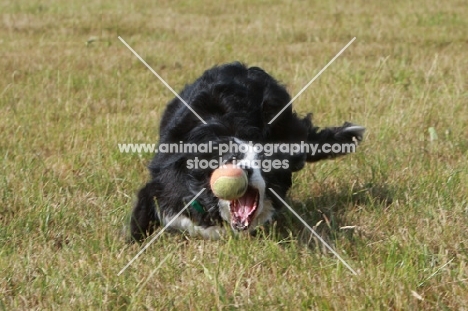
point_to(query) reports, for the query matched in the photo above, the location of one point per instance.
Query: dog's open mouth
(243, 209)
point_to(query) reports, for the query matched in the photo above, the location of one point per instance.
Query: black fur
(236, 102)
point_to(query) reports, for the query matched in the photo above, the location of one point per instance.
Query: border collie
(237, 103)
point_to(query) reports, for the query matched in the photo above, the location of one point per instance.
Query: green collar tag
(198, 207)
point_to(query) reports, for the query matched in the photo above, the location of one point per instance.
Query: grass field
(70, 91)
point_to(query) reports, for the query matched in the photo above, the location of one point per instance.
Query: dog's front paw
(350, 131)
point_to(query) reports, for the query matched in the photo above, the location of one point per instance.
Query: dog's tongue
(243, 207)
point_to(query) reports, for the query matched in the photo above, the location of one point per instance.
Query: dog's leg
(185, 224)
(346, 138)
(144, 217)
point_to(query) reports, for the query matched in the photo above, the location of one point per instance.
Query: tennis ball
(229, 182)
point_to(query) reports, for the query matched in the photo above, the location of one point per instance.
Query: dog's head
(254, 207)
(264, 169)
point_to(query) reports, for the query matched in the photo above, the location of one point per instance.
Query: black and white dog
(237, 103)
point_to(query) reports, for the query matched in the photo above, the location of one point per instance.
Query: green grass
(70, 91)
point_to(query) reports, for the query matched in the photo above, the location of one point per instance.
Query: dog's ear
(338, 141)
(144, 217)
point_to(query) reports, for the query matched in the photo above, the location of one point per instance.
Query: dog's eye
(236, 157)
